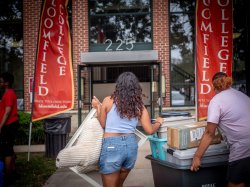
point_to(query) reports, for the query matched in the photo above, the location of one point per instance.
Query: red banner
(54, 87)
(214, 27)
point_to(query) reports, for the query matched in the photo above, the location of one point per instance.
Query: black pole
(34, 81)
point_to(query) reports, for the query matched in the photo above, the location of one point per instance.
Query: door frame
(89, 69)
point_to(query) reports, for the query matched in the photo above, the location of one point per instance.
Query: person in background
(229, 110)
(118, 115)
(8, 125)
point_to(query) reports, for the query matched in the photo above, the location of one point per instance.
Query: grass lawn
(35, 172)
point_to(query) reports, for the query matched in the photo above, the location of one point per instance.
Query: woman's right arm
(146, 122)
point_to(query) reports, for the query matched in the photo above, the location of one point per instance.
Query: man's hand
(196, 164)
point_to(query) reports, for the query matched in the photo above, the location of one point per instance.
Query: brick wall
(31, 16)
(161, 40)
(79, 36)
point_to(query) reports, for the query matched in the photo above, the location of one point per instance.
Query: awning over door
(119, 57)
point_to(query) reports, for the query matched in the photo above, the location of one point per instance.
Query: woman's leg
(123, 175)
(111, 180)
(8, 164)
(115, 179)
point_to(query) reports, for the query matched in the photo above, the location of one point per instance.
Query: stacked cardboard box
(170, 121)
(185, 136)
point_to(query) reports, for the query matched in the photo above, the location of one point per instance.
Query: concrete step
(33, 148)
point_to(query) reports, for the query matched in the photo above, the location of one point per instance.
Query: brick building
(153, 38)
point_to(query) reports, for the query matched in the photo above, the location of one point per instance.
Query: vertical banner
(214, 27)
(53, 86)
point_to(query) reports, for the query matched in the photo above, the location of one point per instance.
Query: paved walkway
(140, 176)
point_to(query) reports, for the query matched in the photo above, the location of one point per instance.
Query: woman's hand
(196, 163)
(159, 120)
(95, 102)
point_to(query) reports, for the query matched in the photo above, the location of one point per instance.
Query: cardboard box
(174, 120)
(185, 136)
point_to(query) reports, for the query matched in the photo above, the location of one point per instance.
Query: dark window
(182, 49)
(182, 6)
(11, 43)
(120, 25)
(143, 73)
(240, 44)
(110, 74)
(70, 14)
(182, 52)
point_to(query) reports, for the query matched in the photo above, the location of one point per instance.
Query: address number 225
(122, 45)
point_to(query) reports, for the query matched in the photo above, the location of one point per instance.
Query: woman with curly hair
(229, 110)
(118, 115)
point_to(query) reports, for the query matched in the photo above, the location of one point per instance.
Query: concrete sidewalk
(140, 176)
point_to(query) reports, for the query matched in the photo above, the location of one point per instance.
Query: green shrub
(37, 133)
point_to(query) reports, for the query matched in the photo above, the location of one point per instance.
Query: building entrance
(99, 80)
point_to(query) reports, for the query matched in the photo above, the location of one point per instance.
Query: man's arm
(207, 138)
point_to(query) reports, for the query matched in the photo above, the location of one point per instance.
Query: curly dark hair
(128, 96)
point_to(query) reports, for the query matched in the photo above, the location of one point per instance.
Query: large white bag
(85, 152)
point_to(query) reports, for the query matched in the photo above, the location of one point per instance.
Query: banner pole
(195, 66)
(33, 84)
(29, 141)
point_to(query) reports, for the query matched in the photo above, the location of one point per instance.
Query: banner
(214, 31)
(53, 86)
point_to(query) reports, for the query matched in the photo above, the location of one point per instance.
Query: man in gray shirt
(229, 110)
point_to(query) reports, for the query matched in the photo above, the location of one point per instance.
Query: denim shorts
(118, 152)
